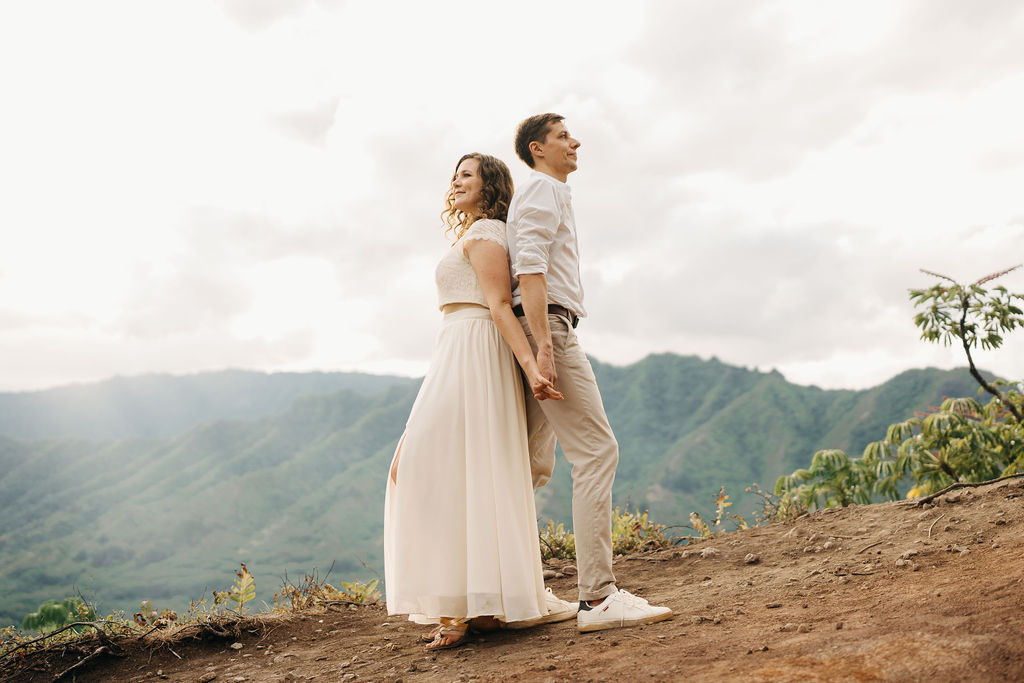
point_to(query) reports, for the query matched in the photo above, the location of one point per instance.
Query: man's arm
(534, 289)
(535, 225)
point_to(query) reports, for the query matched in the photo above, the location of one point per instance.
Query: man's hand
(542, 387)
(546, 364)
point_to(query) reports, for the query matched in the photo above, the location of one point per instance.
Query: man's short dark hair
(533, 129)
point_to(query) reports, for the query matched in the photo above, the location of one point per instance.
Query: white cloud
(257, 184)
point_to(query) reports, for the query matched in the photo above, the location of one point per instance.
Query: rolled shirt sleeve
(542, 239)
(536, 224)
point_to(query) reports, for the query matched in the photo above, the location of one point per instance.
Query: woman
(460, 531)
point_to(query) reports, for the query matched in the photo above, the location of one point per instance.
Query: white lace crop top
(456, 279)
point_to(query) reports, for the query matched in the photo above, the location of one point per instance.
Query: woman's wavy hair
(495, 195)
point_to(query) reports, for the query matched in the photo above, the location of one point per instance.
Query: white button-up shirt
(542, 239)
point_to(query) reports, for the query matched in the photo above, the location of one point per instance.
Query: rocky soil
(888, 592)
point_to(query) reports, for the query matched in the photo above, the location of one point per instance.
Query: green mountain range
(123, 513)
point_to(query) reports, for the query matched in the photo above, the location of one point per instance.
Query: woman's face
(467, 187)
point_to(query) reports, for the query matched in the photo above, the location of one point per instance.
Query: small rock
(709, 552)
(789, 628)
(953, 497)
(828, 545)
(239, 646)
(907, 554)
(773, 605)
(207, 677)
(751, 558)
(839, 626)
(803, 628)
(1000, 522)
(549, 573)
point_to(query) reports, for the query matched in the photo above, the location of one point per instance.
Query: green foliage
(357, 591)
(147, 617)
(556, 543)
(833, 480)
(242, 590)
(312, 590)
(973, 315)
(716, 528)
(631, 532)
(970, 313)
(962, 440)
(54, 614)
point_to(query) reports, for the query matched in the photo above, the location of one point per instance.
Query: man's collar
(551, 178)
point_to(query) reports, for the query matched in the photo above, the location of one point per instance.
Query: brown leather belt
(553, 309)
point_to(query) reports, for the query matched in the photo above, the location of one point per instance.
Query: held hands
(542, 380)
(544, 389)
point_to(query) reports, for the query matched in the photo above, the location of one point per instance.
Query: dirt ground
(888, 592)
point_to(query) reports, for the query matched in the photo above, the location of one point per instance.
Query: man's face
(559, 149)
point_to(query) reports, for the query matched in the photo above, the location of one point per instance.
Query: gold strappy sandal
(455, 630)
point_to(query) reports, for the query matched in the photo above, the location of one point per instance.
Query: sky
(194, 185)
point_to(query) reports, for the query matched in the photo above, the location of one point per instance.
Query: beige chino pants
(580, 424)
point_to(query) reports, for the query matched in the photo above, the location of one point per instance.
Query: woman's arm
(490, 263)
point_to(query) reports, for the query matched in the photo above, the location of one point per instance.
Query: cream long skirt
(460, 528)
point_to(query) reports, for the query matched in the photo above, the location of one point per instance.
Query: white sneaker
(620, 609)
(558, 610)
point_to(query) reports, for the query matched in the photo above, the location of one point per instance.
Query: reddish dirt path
(887, 592)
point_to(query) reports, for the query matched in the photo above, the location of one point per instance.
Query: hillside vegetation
(128, 519)
(886, 592)
(165, 405)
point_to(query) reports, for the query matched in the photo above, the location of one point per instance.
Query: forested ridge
(139, 516)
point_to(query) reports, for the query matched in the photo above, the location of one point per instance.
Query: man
(548, 298)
